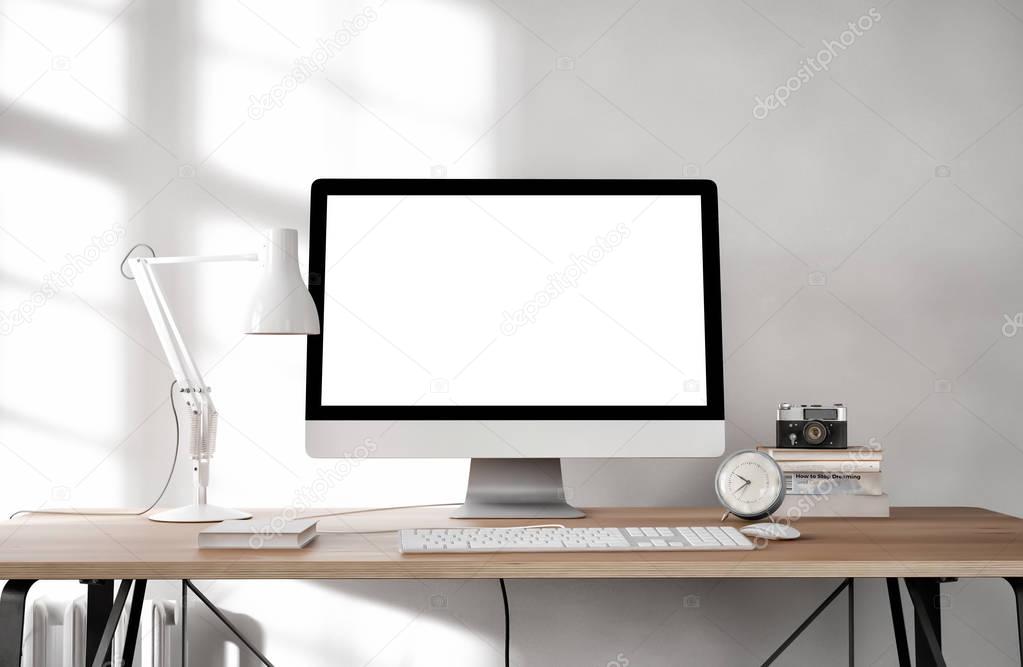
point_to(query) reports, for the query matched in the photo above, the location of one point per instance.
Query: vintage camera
(812, 426)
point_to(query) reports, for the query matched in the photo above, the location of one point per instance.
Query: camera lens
(814, 433)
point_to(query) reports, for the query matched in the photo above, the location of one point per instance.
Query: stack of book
(831, 482)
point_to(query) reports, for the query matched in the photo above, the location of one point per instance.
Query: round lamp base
(199, 514)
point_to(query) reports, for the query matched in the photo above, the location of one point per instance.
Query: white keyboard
(649, 538)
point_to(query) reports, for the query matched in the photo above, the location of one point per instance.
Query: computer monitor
(516, 323)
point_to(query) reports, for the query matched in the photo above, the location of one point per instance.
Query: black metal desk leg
(1017, 588)
(226, 621)
(101, 658)
(898, 622)
(852, 624)
(924, 592)
(12, 620)
(847, 583)
(131, 634)
(99, 600)
(184, 623)
(99, 655)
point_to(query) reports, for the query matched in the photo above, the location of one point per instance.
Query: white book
(258, 534)
(819, 482)
(830, 466)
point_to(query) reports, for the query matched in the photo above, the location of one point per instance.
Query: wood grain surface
(914, 542)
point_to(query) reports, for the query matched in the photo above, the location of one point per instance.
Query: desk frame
(104, 611)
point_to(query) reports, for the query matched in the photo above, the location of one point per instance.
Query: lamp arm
(174, 348)
(182, 365)
(197, 259)
(203, 426)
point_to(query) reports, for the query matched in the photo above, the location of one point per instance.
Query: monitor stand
(515, 489)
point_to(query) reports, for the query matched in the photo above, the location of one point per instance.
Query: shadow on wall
(155, 88)
(356, 622)
(217, 646)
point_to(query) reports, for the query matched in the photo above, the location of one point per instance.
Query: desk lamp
(281, 305)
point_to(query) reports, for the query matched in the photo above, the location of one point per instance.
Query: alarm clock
(750, 485)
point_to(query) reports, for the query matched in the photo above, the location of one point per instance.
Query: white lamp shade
(282, 304)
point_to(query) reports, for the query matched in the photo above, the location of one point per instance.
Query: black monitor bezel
(707, 190)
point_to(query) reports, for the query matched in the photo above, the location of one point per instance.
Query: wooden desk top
(914, 542)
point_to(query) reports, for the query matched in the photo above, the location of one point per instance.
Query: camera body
(812, 426)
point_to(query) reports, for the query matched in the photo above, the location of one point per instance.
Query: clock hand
(742, 478)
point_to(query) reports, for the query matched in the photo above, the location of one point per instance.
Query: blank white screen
(513, 300)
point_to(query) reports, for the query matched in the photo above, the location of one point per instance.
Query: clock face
(750, 484)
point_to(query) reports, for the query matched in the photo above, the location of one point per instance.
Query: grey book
(850, 454)
(830, 466)
(844, 505)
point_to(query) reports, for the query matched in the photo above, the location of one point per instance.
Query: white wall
(872, 233)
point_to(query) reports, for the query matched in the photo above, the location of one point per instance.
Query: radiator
(55, 634)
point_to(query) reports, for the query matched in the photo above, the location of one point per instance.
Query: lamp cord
(166, 484)
(373, 509)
